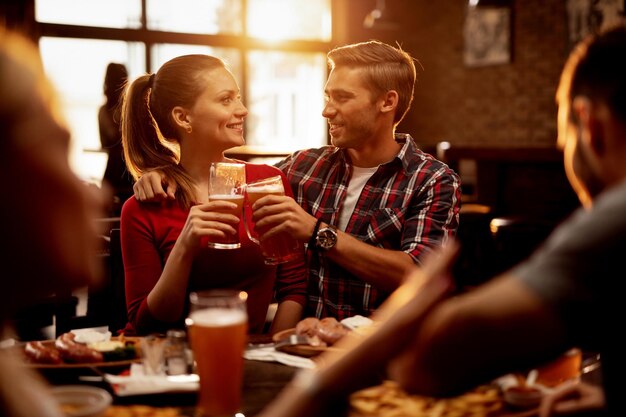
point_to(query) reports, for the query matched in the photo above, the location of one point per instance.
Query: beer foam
(268, 189)
(225, 197)
(217, 317)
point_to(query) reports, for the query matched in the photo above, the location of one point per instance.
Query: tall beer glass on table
(217, 327)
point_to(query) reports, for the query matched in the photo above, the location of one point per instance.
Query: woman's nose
(242, 111)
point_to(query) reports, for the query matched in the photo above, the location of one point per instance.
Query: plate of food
(310, 337)
(82, 350)
(389, 399)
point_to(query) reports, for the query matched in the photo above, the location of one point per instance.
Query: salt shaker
(175, 352)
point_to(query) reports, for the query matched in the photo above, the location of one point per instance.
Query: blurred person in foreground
(49, 237)
(179, 120)
(370, 205)
(567, 294)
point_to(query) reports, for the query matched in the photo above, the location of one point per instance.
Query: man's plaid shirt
(410, 204)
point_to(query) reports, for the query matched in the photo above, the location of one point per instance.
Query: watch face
(326, 238)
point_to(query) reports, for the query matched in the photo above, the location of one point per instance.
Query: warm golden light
(278, 20)
(272, 21)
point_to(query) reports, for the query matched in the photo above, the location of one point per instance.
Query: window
(275, 48)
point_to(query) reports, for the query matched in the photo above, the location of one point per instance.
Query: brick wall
(509, 105)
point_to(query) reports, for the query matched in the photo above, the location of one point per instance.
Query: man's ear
(179, 115)
(390, 101)
(590, 125)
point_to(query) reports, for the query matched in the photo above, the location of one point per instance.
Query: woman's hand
(215, 220)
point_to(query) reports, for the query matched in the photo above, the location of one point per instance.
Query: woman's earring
(189, 129)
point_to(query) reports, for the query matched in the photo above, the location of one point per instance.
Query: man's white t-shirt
(355, 186)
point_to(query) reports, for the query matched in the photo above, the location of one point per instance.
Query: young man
(372, 204)
(567, 294)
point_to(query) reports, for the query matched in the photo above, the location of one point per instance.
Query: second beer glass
(279, 248)
(227, 182)
(217, 327)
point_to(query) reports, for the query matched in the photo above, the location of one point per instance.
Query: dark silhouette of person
(115, 174)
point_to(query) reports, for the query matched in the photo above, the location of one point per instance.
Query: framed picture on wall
(487, 36)
(585, 17)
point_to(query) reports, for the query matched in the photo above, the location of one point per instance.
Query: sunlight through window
(289, 19)
(283, 89)
(195, 16)
(109, 13)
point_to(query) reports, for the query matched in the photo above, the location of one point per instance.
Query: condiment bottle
(175, 352)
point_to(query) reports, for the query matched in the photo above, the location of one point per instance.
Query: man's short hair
(386, 68)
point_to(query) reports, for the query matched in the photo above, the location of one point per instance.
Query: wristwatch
(326, 238)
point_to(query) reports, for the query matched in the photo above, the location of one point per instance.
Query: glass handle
(245, 224)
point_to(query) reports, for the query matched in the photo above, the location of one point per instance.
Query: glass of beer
(227, 182)
(217, 326)
(281, 247)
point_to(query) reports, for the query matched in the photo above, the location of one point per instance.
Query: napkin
(92, 335)
(138, 383)
(356, 322)
(269, 354)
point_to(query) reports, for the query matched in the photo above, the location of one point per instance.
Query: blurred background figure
(115, 175)
(48, 236)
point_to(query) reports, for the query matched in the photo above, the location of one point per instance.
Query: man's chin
(337, 141)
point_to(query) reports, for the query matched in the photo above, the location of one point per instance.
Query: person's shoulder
(612, 198)
(152, 216)
(103, 113)
(606, 215)
(132, 206)
(323, 153)
(418, 160)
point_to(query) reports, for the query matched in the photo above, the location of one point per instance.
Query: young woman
(179, 120)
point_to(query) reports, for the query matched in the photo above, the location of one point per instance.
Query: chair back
(106, 304)
(118, 313)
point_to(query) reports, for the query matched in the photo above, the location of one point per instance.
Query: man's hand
(571, 398)
(154, 186)
(275, 214)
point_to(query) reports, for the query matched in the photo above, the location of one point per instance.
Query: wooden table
(262, 382)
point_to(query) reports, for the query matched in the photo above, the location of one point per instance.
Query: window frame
(243, 43)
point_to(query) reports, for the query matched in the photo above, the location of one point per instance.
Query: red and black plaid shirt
(410, 204)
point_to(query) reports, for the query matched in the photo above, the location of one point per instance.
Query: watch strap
(312, 239)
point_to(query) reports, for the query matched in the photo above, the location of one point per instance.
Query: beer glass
(226, 182)
(278, 248)
(217, 327)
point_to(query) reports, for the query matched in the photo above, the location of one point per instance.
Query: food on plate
(67, 350)
(74, 352)
(37, 352)
(308, 326)
(142, 411)
(81, 400)
(388, 399)
(523, 396)
(330, 330)
(327, 330)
